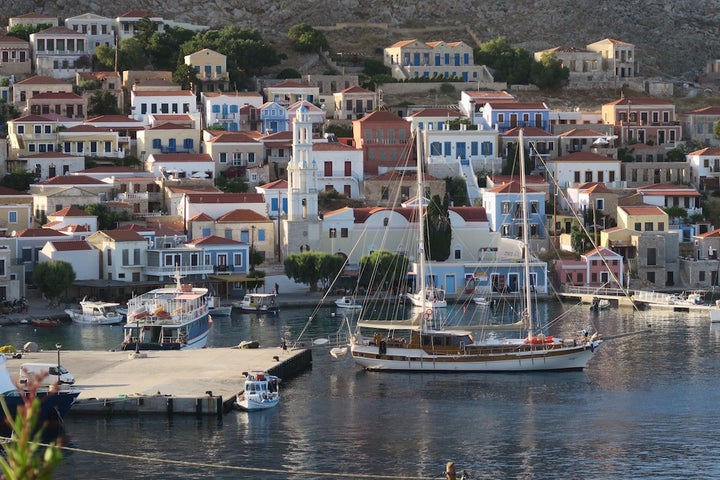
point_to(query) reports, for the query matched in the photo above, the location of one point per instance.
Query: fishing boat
(257, 303)
(262, 391)
(168, 318)
(482, 301)
(348, 303)
(420, 345)
(55, 403)
(96, 313)
(599, 304)
(434, 297)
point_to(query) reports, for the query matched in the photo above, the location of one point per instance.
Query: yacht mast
(527, 313)
(420, 277)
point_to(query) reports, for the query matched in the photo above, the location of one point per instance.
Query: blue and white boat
(54, 403)
(168, 318)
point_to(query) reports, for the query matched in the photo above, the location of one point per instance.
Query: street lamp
(58, 346)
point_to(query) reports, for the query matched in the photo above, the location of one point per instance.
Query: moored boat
(262, 391)
(420, 345)
(55, 403)
(168, 318)
(96, 313)
(257, 303)
(348, 303)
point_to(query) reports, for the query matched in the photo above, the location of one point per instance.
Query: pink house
(600, 267)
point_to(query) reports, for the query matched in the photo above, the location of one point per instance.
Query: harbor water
(645, 408)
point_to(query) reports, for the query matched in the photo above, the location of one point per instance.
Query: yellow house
(210, 68)
(15, 210)
(90, 141)
(642, 218)
(168, 138)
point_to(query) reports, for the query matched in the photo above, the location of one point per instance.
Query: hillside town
(612, 203)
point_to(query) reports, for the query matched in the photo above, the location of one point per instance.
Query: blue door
(460, 150)
(450, 283)
(172, 145)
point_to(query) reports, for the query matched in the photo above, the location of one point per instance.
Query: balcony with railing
(169, 270)
(385, 141)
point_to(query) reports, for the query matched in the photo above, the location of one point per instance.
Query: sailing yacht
(430, 348)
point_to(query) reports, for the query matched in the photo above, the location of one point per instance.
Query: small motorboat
(45, 322)
(262, 391)
(258, 303)
(482, 301)
(599, 304)
(348, 303)
(338, 352)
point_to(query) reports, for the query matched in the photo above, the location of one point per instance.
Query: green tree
(23, 32)
(383, 269)
(231, 185)
(53, 278)
(549, 73)
(456, 188)
(311, 267)
(438, 231)
(510, 64)
(716, 129)
(107, 219)
(256, 258)
(131, 55)
(373, 67)
(186, 77)
(104, 58)
(247, 54)
(20, 180)
(511, 165)
(26, 456)
(305, 38)
(676, 212)
(339, 130)
(289, 73)
(103, 102)
(164, 50)
(580, 240)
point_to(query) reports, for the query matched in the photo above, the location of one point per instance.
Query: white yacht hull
(407, 359)
(78, 317)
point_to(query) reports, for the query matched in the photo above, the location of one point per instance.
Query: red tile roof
(242, 215)
(73, 180)
(39, 232)
(70, 212)
(123, 235)
(510, 187)
(202, 217)
(276, 185)
(226, 198)
(72, 245)
(471, 214)
(214, 240)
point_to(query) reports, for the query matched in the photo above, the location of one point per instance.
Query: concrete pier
(196, 382)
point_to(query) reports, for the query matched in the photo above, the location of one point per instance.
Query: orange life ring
(428, 314)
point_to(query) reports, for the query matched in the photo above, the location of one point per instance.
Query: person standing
(277, 288)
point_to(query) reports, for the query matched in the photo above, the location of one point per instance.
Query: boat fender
(592, 347)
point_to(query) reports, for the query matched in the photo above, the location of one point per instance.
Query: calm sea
(645, 408)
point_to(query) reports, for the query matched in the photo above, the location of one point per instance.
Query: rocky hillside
(673, 38)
